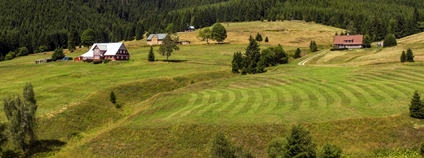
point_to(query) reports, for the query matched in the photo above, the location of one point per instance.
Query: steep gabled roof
(160, 36)
(110, 48)
(348, 40)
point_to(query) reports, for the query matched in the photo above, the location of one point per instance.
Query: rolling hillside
(356, 99)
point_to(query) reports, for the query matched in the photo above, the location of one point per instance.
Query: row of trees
(53, 24)
(218, 33)
(253, 61)
(298, 143)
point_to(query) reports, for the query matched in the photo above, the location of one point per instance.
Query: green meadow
(356, 99)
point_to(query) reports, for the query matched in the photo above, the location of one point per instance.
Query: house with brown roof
(348, 41)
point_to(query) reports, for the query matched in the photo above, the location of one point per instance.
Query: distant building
(101, 51)
(183, 42)
(348, 41)
(190, 28)
(155, 39)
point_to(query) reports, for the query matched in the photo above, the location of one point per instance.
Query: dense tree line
(41, 25)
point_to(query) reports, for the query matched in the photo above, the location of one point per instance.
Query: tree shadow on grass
(45, 146)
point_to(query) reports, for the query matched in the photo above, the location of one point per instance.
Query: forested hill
(44, 24)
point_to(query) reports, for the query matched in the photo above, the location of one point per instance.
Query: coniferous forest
(42, 25)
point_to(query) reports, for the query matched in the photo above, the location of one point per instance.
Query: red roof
(348, 40)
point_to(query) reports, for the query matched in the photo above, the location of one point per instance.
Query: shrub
(23, 51)
(331, 151)
(97, 61)
(10, 55)
(297, 53)
(403, 57)
(266, 39)
(221, 147)
(58, 54)
(299, 143)
(313, 46)
(106, 61)
(112, 97)
(390, 41)
(275, 148)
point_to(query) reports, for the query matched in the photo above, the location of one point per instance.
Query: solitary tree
(87, 37)
(218, 32)
(21, 116)
(72, 40)
(403, 57)
(58, 54)
(313, 46)
(205, 35)
(266, 39)
(416, 109)
(299, 143)
(151, 56)
(222, 148)
(297, 53)
(389, 41)
(112, 97)
(167, 47)
(331, 151)
(258, 37)
(409, 55)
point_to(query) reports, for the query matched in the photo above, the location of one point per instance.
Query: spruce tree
(237, 62)
(313, 46)
(403, 57)
(299, 143)
(416, 109)
(266, 39)
(258, 37)
(409, 55)
(151, 56)
(112, 97)
(297, 53)
(72, 40)
(252, 56)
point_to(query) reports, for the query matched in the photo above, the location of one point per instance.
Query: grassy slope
(360, 108)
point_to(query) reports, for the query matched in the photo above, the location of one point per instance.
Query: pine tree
(112, 97)
(416, 109)
(72, 40)
(297, 53)
(403, 57)
(252, 56)
(299, 143)
(409, 55)
(258, 37)
(266, 39)
(237, 62)
(313, 46)
(262, 64)
(151, 56)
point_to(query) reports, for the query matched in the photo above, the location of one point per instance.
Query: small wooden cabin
(101, 51)
(155, 39)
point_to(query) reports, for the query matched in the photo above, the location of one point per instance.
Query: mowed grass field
(355, 99)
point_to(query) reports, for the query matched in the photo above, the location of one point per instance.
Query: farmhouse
(348, 41)
(101, 51)
(155, 39)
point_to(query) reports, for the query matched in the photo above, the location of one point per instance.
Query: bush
(58, 54)
(331, 151)
(221, 147)
(117, 105)
(390, 41)
(23, 51)
(106, 61)
(275, 148)
(97, 61)
(10, 56)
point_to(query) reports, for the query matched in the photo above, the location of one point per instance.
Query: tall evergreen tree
(151, 56)
(237, 62)
(72, 40)
(409, 55)
(252, 56)
(297, 53)
(416, 109)
(299, 143)
(403, 57)
(167, 47)
(313, 46)
(21, 116)
(139, 32)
